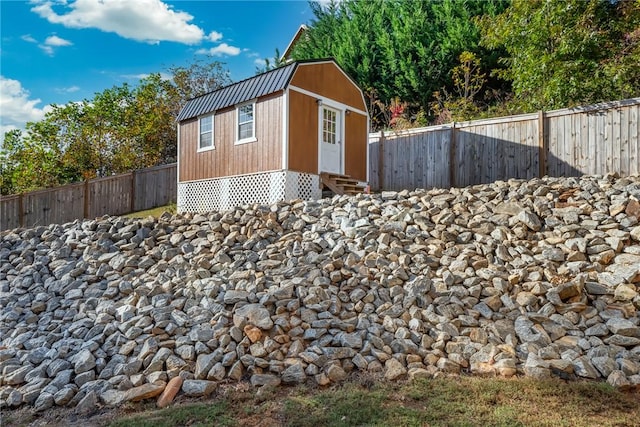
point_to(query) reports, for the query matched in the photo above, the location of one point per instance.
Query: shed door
(331, 141)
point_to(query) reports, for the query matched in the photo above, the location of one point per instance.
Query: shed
(279, 135)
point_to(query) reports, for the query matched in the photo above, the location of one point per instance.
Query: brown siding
(356, 138)
(327, 80)
(227, 158)
(303, 133)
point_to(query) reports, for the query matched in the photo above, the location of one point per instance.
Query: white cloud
(259, 62)
(28, 38)
(135, 76)
(163, 76)
(49, 44)
(16, 107)
(4, 129)
(46, 49)
(56, 41)
(214, 36)
(148, 21)
(220, 50)
(70, 89)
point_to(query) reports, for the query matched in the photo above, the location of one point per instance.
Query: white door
(331, 141)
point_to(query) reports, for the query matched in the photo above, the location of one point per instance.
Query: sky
(60, 51)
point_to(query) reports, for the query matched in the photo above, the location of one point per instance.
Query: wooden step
(340, 184)
(342, 181)
(350, 187)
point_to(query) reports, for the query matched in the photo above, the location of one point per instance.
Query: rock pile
(537, 277)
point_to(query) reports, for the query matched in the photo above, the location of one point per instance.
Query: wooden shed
(276, 136)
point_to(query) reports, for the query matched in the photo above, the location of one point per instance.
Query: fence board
(634, 140)
(110, 195)
(10, 211)
(608, 142)
(624, 141)
(155, 186)
(374, 165)
(53, 206)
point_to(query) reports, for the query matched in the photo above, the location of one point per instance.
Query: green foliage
(270, 64)
(26, 165)
(121, 129)
(569, 52)
(468, 81)
(398, 48)
(195, 79)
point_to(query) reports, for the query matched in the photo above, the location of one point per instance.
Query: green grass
(155, 212)
(195, 415)
(453, 401)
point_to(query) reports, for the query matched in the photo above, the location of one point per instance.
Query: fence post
(87, 195)
(133, 191)
(381, 161)
(542, 145)
(452, 157)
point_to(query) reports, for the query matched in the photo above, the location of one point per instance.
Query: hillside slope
(536, 277)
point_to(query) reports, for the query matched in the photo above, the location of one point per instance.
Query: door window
(329, 126)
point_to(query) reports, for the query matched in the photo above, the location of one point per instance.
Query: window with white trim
(205, 136)
(246, 130)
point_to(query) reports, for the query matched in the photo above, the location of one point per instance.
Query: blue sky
(59, 51)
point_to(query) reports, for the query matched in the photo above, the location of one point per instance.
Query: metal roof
(236, 93)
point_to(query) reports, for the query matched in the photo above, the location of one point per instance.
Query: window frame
(332, 131)
(213, 143)
(252, 138)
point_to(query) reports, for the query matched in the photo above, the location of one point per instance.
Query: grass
(155, 212)
(453, 401)
(367, 401)
(195, 415)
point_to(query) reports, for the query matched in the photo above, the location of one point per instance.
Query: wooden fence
(596, 139)
(592, 140)
(113, 195)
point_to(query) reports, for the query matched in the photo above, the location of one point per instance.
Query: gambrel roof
(254, 87)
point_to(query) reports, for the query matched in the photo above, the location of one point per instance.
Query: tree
(462, 104)
(270, 64)
(120, 129)
(569, 52)
(154, 100)
(195, 79)
(28, 164)
(398, 48)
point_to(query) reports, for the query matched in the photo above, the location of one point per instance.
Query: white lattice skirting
(221, 194)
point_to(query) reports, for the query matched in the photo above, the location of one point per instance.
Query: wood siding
(303, 133)
(355, 158)
(328, 80)
(228, 159)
